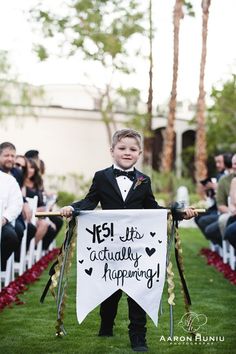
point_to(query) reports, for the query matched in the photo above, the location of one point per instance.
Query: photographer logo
(192, 323)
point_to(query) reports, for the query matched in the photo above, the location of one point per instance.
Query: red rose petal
(216, 261)
(8, 295)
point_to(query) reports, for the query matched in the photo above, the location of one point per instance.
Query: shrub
(65, 198)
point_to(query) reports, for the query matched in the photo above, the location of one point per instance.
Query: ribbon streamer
(59, 275)
(176, 216)
(169, 272)
(65, 264)
(180, 266)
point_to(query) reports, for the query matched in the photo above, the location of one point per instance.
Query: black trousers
(51, 233)
(137, 316)
(31, 231)
(9, 243)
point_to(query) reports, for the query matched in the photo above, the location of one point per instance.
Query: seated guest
(21, 164)
(7, 161)
(227, 162)
(209, 187)
(18, 170)
(223, 214)
(230, 229)
(213, 231)
(46, 229)
(230, 232)
(11, 197)
(48, 198)
(34, 155)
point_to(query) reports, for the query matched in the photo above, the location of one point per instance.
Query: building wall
(70, 140)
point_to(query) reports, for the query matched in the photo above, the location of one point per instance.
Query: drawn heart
(81, 261)
(160, 241)
(88, 248)
(152, 234)
(89, 271)
(150, 251)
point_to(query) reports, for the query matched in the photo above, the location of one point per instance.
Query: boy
(122, 187)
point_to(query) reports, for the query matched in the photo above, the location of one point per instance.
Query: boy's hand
(190, 213)
(66, 211)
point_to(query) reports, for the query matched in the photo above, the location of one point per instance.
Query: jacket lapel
(132, 189)
(112, 179)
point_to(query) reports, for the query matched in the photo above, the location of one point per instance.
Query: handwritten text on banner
(125, 250)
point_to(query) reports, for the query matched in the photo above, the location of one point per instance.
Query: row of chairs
(227, 252)
(27, 258)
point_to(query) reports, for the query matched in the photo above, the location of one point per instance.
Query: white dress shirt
(11, 197)
(124, 183)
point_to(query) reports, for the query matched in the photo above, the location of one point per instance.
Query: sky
(17, 38)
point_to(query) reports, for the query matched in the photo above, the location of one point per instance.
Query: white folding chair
(19, 266)
(5, 276)
(226, 251)
(229, 254)
(216, 248)
(52, 245)
(232, 259)
(38, 252)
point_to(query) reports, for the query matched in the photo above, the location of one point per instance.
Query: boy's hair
(7, 145)
(126, 133)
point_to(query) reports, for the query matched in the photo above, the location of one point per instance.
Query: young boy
(114, 188)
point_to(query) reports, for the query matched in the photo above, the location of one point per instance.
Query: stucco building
(67, 129)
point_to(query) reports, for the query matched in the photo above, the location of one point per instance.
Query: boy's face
(126, 153)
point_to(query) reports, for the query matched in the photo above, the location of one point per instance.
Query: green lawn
(30, 328)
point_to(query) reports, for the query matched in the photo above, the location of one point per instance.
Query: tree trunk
(148, 138)
(167, 157)
(200, 151)
(106, 109)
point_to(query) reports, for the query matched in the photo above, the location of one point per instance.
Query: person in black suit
(121, 186)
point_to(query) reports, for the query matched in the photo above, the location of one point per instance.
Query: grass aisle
(30, 328)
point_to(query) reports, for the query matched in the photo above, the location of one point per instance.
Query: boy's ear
(140, 152)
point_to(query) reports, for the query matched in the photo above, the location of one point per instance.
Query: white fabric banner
(121, 249)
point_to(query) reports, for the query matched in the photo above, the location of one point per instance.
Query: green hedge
(65, 198)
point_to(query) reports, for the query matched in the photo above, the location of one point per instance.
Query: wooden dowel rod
(57, 213)
(47, 213)
(199, 211)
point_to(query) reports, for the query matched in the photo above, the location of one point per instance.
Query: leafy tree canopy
(98, 29)
(13, 93)
(221, 119)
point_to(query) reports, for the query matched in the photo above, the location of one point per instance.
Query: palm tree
(200, 151)
(148, 139)
(167, 157)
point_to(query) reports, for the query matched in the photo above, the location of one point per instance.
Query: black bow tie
(129, 174)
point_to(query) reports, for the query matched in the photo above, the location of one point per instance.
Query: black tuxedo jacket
(104, 189)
